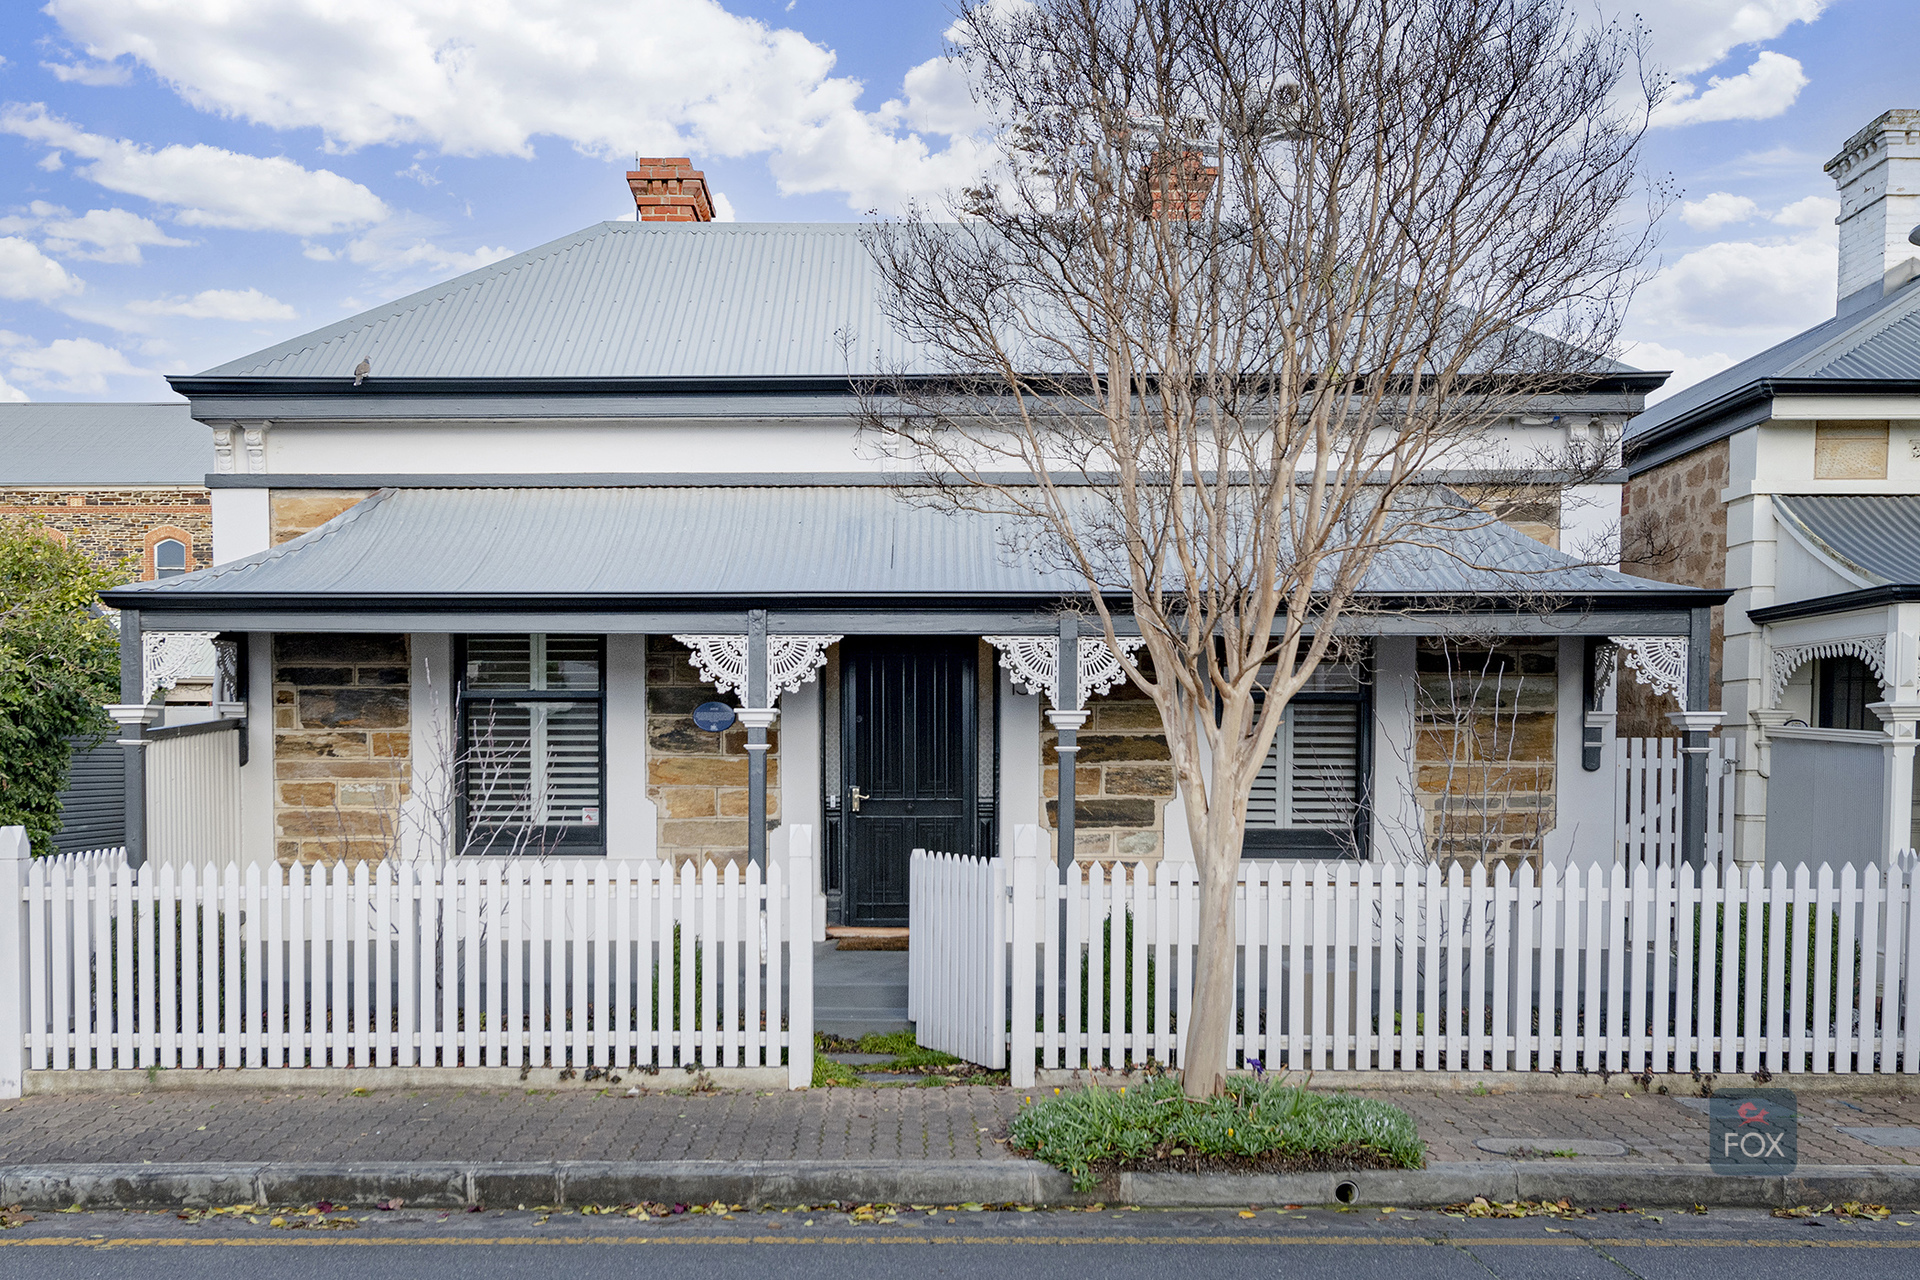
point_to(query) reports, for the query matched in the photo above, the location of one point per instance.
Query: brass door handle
(855, 795)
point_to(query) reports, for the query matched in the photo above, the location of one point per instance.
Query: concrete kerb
(757, 1184)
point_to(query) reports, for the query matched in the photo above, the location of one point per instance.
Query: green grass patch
(1087, 1131)
(828, 1074)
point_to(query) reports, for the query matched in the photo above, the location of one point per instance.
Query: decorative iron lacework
(1034, 661)
(791, 661)
(1871, 650)
(1605, 655)
(170, 656)
(1659, 662)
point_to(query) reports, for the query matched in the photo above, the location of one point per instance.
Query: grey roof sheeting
(773, 543)
(1877, 536)
(777, 302)
(623, 299)
(1881, 342)
(70, 443)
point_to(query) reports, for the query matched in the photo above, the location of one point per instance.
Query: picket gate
(1354, 967)
(1649, 777)
(510, 962)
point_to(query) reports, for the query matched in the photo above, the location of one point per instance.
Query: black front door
(909, 768)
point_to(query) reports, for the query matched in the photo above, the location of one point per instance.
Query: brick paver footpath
(917, 1124)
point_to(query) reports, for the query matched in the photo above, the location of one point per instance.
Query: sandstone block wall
(1122, 779)
(112, 524)
(292, 512)
(698, 779)
(1484, 749)
(341, 745)
(1678, 504)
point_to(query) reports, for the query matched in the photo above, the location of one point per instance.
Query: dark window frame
(466, 697)
(170, 571)
(1843, 686)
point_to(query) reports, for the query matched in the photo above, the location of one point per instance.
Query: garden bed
(1256, 1126)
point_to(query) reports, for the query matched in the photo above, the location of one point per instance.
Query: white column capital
(1696, 721)
(1068, 719)
(757, 717)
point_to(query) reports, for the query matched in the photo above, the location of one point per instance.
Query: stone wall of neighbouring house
(112, 524)
(698, 779)
(341, 745)
(1122, 780)
(1675, 510)
(1484, 753)
(293, 512)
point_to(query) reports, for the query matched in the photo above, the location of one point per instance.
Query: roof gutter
(1871, 597)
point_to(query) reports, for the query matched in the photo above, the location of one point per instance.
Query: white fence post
(1026, 899)
(15, 967)
(800, 958)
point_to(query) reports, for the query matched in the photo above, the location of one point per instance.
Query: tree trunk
(1208, 1046)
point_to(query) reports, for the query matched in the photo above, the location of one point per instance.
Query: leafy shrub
(1076, 1130)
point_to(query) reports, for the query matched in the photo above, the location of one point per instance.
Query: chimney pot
(669, 189)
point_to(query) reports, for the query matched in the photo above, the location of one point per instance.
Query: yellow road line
(1620, 1242)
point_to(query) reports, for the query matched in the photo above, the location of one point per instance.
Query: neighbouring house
(581, 553)
(1793, 480)
(125, 483)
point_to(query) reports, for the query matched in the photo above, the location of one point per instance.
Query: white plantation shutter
(1325, 772)
(532, 763)
(1312, 772)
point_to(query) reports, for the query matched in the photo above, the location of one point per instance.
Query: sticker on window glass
(590, 815)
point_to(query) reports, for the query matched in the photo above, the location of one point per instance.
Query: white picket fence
(1353, 967)
(1649, 777)
(496, 963)
(956, 968)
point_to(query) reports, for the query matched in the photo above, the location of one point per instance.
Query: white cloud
(1764, 90)
(1743, 286)
(115, 234)
(28, 275)
(12, 395)
(1693, 35)
(1687, 367)
(217, 304)
(78, 365)
(1815, 213)
(208, 186)
(98, 74)
(402, 243)
(1714, 211)
(607, 76)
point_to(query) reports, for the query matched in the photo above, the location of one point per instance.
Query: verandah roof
(854, 548)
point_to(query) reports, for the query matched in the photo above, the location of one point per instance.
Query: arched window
(169, 558)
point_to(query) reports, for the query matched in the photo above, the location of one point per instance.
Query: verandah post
(757, 716)
(1067, 717)
(1696, 721)
(15, 967)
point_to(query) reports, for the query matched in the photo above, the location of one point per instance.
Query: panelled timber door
(908, 767)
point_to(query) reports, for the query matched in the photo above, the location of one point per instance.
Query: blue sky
(184, 181)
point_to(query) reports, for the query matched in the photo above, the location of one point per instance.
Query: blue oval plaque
(714, 717)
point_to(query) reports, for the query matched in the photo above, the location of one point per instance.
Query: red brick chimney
(1178, 184)
(669, 189)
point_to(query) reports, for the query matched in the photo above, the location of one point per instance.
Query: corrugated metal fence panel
(193, 800)
(93, 808)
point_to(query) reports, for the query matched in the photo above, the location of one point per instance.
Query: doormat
(871, 944)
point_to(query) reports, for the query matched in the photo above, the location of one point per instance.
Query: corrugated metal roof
(1875, 535)
(772, 542)
(624, 299)
(1882, 341)
(65, 443)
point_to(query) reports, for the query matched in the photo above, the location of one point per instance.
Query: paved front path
(953, 1123)
(956, 1123)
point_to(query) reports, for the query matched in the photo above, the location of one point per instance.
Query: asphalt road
(1096, 1245)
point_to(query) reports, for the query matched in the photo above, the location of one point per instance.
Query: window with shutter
(1306, 799)
(531, 735)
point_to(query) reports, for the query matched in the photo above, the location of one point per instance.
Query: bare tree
(1246, 273)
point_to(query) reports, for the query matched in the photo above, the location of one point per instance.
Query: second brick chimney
(669, 189)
